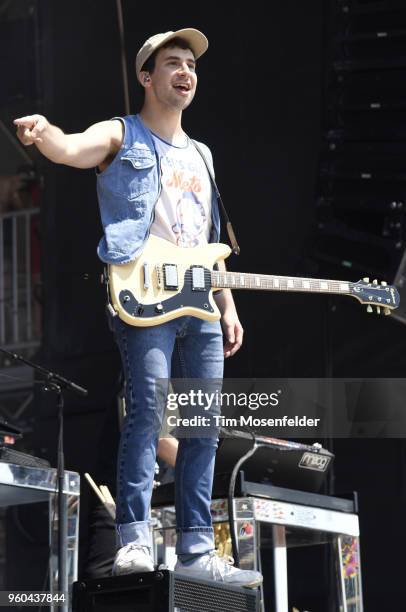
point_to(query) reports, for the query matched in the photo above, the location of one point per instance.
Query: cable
(123, 56)
(231, 490)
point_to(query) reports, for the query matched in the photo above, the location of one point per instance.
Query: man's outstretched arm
(87, 149)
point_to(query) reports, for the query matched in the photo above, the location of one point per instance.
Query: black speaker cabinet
(161, 591)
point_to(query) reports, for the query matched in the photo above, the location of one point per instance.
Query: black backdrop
(259, 107)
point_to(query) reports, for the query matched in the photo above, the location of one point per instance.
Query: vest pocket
(135, 173)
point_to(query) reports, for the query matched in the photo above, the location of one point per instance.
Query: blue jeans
(186, 347)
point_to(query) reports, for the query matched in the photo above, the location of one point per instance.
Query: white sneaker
(132, 559)
(212, 567)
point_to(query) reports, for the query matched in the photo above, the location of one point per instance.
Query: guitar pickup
(198, 281)
(170, 277)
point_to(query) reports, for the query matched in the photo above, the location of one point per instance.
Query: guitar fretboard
(243, 280)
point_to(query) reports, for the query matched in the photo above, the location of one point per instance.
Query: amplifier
(161, 591)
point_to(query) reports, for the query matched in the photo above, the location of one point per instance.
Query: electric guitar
(167, 281)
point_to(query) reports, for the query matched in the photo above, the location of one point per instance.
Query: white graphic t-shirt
(183, 210)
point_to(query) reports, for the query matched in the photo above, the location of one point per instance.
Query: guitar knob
(384, 284)
(159, 309)
(387, 311)
(366, 279)
(370, 309)
(378, 309)
(375, 282)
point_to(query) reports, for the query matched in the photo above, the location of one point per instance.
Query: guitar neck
(267, 282)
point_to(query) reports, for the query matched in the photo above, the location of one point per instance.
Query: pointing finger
(27, 119)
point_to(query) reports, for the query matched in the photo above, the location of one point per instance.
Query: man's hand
(233, 332)
(30, 129)
(232, 328)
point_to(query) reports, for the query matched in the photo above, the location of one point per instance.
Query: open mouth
(182, 87)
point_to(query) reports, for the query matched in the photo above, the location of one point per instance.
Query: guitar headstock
(385, 297)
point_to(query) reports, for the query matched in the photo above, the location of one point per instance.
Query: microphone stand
(57, 383)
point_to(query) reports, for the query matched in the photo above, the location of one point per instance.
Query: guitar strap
(231, 235)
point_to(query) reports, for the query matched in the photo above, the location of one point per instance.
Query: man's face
(173, 81)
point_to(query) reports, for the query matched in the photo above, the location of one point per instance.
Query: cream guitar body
(163, 283)
(167, 281)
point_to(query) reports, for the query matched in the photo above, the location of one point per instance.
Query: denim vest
(128, 190)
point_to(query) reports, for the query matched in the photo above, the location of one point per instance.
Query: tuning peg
(370, 309)
(366, 279)
(387, 311)
(378, 309)
(375, 282)
(384, 283)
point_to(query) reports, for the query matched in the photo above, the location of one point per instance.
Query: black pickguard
(186, 297)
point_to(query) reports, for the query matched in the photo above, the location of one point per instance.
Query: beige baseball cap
(197, 40)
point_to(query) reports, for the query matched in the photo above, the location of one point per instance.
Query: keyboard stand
(296, 518)
(21, 484)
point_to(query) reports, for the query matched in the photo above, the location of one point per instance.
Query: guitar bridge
(158, 276)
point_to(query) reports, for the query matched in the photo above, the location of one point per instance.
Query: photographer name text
(242, 421)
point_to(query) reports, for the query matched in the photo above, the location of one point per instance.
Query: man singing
(151, 178)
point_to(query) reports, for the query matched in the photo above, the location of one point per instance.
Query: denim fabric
(127, 191)
(184, 348)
